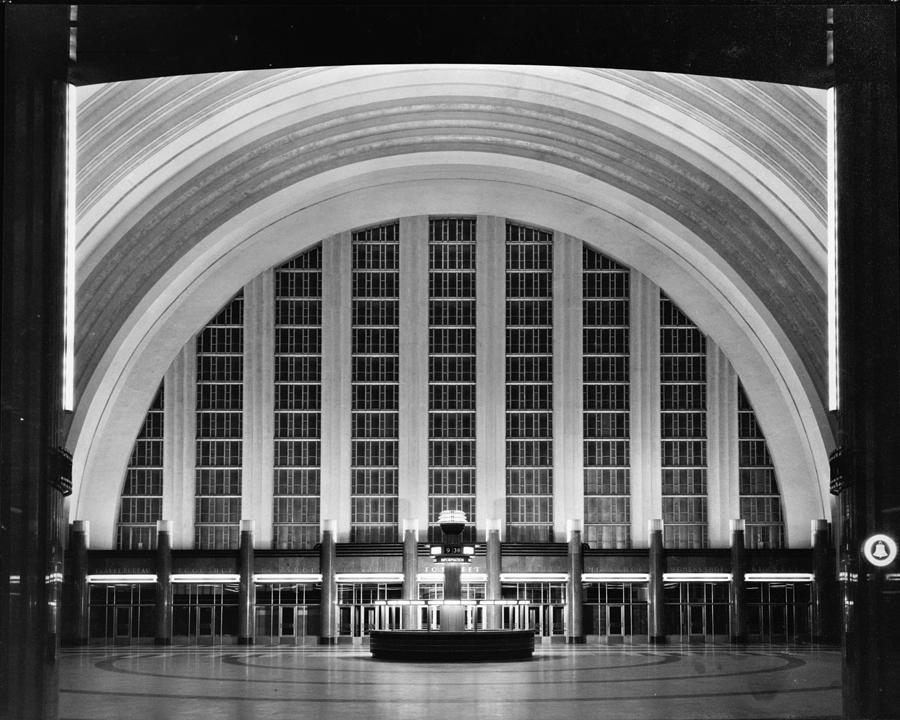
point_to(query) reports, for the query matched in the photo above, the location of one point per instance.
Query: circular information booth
(464, 646)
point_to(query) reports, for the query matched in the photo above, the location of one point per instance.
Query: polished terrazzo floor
(345, 682)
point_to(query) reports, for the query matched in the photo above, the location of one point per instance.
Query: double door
(357, 621)
(545, 620)
(282, 624)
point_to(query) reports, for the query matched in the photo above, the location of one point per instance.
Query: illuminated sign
(452, 553)
(880, 550)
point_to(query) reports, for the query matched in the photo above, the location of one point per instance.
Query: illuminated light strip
(534, 577)
(296, 578)
(112, 579)
(697, 577)
(779, 577)
(615, 577)
(205, 578)
(439, 577)
(834, 389)
(368, 577)
(53, 577)
(893, 577)
(70, 241)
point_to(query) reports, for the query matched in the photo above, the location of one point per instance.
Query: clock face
(880, 550)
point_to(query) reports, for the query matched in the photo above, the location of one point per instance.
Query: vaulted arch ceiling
(725, 177)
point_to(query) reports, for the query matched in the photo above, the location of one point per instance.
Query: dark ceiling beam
(769, 42)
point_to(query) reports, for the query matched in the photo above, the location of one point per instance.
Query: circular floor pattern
(560, 681)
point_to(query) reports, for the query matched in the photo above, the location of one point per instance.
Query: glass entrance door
(615, 620)
(123, 624)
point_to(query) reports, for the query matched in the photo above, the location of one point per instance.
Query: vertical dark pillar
(575, 591)
(493, 591)
(453, 615)
(410, 568)
(247, 590)
(656, 590)
(823, 623)
(35, 40)
(329, 601)
(78, 551)
(738, 586)
(163, 582)
(868, 281)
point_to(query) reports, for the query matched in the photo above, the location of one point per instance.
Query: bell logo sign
(880, 550)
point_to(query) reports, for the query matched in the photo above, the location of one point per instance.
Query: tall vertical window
(683, 421)
(298, 400)
(141, 502)
(451, 371)
(375, 386)
(529, 384)
(220, 402)
(607, 482)
(760, 497)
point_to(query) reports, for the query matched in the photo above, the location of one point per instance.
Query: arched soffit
(640, 235)
(165, 163)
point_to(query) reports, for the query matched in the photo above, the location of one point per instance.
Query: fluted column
(78, 551)
(259, 403)
(179, 445)
(413, 421)
(490, 371)
(163, 634)
(336, 375)
(722, 488)
(568, 430)
(643, 368)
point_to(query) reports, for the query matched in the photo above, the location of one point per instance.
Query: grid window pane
(760, 498)
(529, 383)
(683, 428)
(375, 390)
(298, 401)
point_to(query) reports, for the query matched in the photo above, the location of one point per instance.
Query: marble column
(738, 595)
(493, 590)
(163, 582)
(574, 589)
(568, 403)
(410, 568)
(247, 590)
(78, 551)
(656, 596)
(328, 633)
(823, 629)
(490, 370)
(337, 320)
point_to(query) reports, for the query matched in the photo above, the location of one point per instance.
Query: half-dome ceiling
(163, 162)
(188, 187)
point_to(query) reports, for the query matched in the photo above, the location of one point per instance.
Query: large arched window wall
(377, 502)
